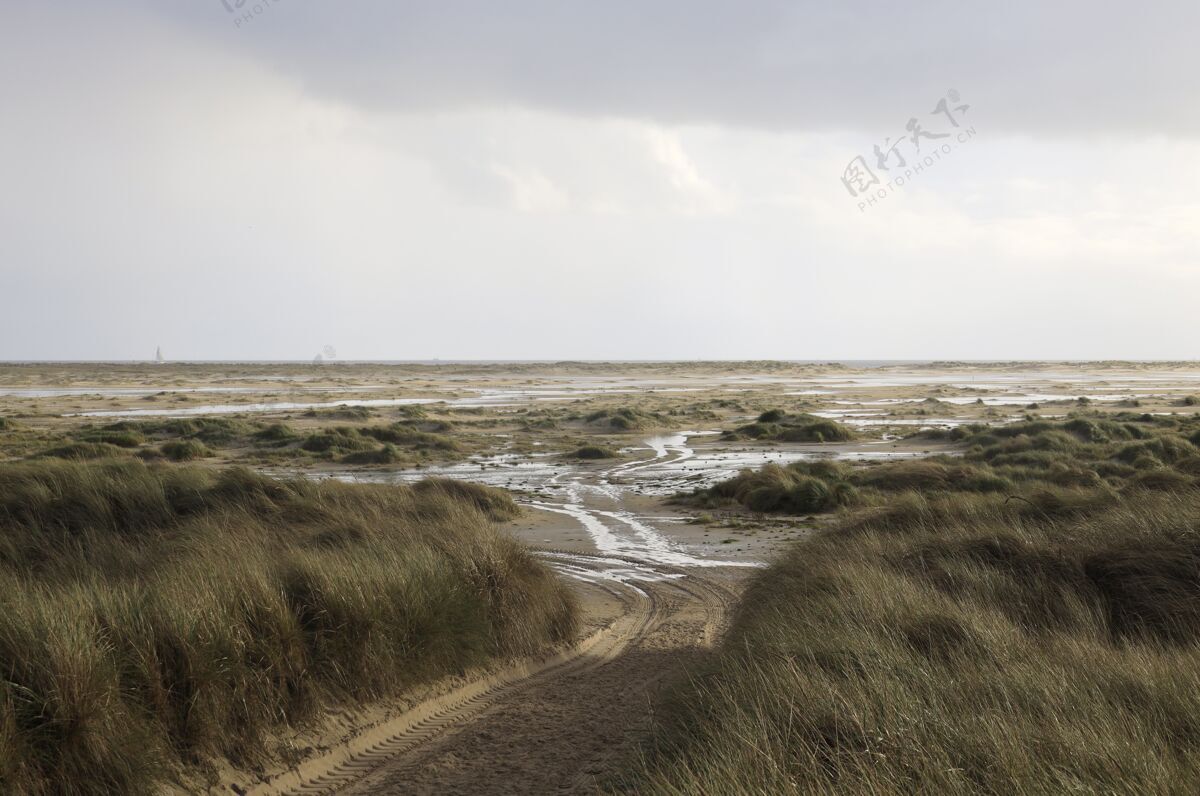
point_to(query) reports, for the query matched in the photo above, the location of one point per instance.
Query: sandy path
(557, 726)
(564, 734)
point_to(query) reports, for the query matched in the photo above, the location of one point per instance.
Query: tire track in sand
(389, 743)
(555, 725)
(566, 734)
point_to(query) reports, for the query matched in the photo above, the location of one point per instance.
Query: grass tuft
(84, 451)
(385, 455)
(956, 643)
(155, 618)
(779, 426)
(1092, 452)
(593, 452)
(184, 450)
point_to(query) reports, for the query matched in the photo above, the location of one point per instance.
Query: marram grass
(957, 639)
(155, 618)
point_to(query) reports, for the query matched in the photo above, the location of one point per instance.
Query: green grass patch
(350, 413)
(779, 426)
(215, 431)
(343, 439)
(624, 419)
(385, 455)
(279, 433)
(122, 439)
(84, 451)
(402, 435)
(184, 450)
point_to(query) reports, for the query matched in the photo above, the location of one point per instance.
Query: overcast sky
(635, 180)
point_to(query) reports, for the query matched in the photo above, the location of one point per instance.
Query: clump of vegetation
(7, 424)
(84, 450)
(279, 433)
(801, 488)
(1126, 453)
(385, 455)
(185, 439)
(216, 431)
(343, 439)
(365, 440)
(625, 419)
(1189, 400)
(184, 450)
(401, 434)
(120, 438)
(351, 413)
(593, 452)
(412, 412)
(495, 504)
(154, 618)
(210, 430)
(957, 643)
(941, 474)
(779, 426)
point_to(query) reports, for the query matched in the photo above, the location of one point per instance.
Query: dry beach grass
(154, 618)
(1015, 611)
(1014, 623)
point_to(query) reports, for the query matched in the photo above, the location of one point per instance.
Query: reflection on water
(596, 497)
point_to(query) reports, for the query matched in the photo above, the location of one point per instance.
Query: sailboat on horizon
(158, 355)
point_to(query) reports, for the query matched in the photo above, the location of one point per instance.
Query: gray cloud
(591, 180)
(1033, 67)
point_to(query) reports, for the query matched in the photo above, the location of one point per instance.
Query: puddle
(596, 497)
(592, 569)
